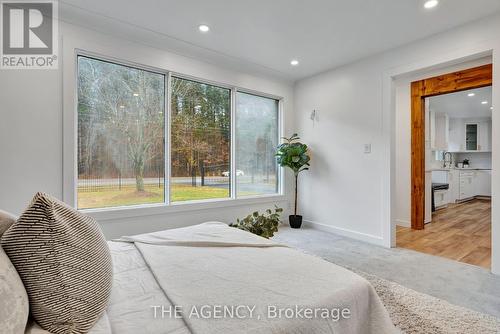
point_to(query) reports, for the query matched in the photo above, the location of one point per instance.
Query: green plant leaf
(264, 225)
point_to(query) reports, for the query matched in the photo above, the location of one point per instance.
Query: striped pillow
(64, 262)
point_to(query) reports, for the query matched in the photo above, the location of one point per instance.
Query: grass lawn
(152, 194)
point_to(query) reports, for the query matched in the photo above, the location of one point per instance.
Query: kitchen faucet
(447, 160)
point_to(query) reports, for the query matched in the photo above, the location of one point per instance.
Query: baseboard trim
(460, 201)
(372, 239)
(401, 222)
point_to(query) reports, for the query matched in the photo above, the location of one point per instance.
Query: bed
(211, 278)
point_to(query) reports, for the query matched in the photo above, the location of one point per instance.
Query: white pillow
(14, 306)
(6, 220)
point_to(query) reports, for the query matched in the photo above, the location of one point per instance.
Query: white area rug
(415, 312)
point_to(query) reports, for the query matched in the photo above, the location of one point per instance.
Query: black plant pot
(295, 221)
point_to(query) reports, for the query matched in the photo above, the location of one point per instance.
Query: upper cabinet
(457, 138)
(460, 121)
(469, 135)
(439, 131)
(472, 137)
(485, 138)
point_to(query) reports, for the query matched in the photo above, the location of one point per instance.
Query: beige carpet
(415, 312)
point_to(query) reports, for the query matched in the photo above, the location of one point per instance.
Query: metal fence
(92, 184)
(204, 175)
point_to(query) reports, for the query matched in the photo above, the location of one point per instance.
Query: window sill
(106, 214)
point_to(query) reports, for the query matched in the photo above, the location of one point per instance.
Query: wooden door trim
(476, 77)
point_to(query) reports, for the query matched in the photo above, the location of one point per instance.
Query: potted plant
(293, 154)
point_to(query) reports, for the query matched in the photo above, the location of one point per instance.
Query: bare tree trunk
(139, 176)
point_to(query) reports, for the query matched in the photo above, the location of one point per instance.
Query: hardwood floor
(461, 232)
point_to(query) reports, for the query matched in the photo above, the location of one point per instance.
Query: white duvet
(211, 278)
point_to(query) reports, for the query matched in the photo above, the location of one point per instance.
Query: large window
(256, 140)
(121, 112)
(201, 135)
(122, 136)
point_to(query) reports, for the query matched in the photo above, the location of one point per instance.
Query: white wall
(30, 136)
(351, 192)
(36, 130)
(342, 188)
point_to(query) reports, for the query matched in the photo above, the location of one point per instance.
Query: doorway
(462, 213)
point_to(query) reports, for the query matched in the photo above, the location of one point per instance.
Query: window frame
(167, 206)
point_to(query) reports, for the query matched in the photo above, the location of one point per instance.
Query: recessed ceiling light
(484, 102)
(294, 62)
(471, 94)
(122, 107)
(204, 28)
(491, 108)
(431, 4)
(136, 94)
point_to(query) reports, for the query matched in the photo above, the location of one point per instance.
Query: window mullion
(233, 144)
(168, 122)
(280, 175)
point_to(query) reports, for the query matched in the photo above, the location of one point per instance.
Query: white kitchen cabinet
(482, 183)
(442, 132)
(485, 136)
(430, 128)
(469, 135)
(454, 184)
(472, 137)
(467, 187)
(457, 132)
(439, 131)
(474, 183)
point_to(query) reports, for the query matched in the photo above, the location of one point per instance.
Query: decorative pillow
(64, 262)
(34, 328)
(6, 220)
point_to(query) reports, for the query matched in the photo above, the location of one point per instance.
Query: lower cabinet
(474, 183)
(454, 183)
(482, 183)
(467, 185)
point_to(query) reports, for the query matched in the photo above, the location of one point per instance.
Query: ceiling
(263, 36)
(460, 105)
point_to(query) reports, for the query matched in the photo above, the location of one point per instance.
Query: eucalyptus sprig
(264, 225)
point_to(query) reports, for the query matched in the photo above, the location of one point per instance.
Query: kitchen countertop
(454, 168)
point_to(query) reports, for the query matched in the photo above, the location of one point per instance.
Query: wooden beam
(417, 155)
(477, 77)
